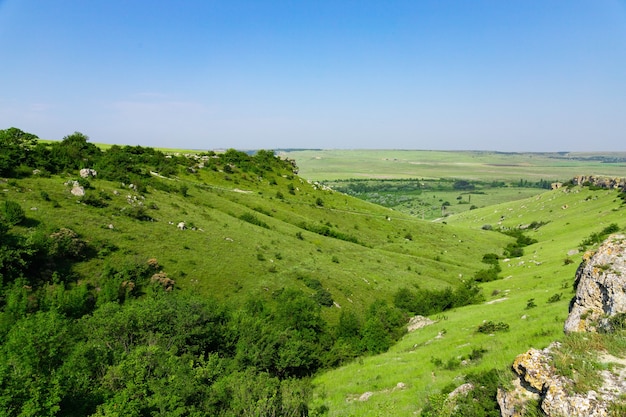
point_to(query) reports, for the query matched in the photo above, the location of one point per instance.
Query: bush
(66, 243)
(93, 201)
(492, 327)
(596, 238)
(137, 212)
(13, 213)
(487, 275)
(252, 219)
(555, 298)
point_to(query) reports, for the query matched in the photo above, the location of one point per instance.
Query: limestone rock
(417, 322)
(533, 367)
(513, 402)
(78, 191)
(538, 381)
(604, 182)
(601, 287)
(88, 172)
(600, 293)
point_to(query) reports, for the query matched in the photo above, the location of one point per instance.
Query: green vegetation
(225, 284)
(420, 182)
(183, 285)
(531, 296)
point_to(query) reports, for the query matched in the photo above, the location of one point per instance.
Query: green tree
(32, 354)
(15, 150)
(74, 152)
(12, 213)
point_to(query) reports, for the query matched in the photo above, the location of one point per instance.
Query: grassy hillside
(220, 254)
(226, 284)
(212, 284)
(532, 299)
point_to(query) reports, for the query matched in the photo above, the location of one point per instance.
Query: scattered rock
(366, 396)
(88, 172)
(77, 190)
(417, 322)
(162, 278)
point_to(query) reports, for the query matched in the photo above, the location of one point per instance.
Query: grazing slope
(240, 239)
(525, 309)
(138, 283)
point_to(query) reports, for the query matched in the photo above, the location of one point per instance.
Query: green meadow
(531, 297)
(435, 184)
(326, 165)
(232, 283)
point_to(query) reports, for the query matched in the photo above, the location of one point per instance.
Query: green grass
(323, 165)
(245, 239)
(223, 254)
(539, 274)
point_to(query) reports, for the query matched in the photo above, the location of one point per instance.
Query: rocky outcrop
(603, 182)
(539, 385)
(600, 287)
(417, 322)
(600, 294)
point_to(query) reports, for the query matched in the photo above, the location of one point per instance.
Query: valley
(143, 282)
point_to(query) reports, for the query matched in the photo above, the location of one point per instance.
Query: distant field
(324, 165)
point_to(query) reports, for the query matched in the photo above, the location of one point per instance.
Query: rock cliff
(600, 287)
(604, 182)
(600, 295)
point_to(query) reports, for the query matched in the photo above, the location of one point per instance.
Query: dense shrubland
(130, 344)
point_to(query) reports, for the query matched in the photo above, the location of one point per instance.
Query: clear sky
(507, 75)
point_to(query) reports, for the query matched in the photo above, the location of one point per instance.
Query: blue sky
(506, 75)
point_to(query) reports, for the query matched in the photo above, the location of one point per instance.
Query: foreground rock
(600, 294)
(539, 384)
(600, 288)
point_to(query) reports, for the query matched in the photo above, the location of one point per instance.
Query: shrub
(487, 275)
(492, 327)
(13, 213)
(252, 219)
(137, 212)
(555, 298)
(66, 243)
(596, 238)
(93, 201)
(490, 258)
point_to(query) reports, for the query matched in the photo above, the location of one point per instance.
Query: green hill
(530, 302)
(226, 284)
(200, 284)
